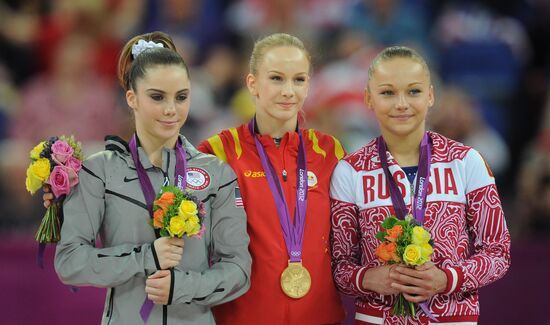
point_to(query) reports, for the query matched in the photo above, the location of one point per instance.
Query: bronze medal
(295, 280)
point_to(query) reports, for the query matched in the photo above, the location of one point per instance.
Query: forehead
(400, 69)
(166, 75)
(285, 57)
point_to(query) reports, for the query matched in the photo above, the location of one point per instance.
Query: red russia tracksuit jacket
(464, 216)
(265, 303)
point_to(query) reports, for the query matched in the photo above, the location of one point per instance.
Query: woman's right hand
(47, 196)
(378, 279)
(169, 251)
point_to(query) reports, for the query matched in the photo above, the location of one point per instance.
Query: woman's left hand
(157, 287)
(419, 284)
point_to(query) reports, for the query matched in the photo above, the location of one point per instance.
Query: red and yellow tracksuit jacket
(265, 303)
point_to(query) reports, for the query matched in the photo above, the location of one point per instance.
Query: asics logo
(254, 174)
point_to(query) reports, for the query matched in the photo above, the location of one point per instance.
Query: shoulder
(208, 165)
(366, 158)
(324, 144)
(447, 150)
(115, 156)
(227, 143)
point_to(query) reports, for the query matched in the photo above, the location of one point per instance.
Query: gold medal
(295, 280)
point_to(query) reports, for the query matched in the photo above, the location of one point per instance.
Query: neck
(153, 146)
(275, 128)
(405, 149)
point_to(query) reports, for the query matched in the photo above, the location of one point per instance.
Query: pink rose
(59, 181)
(72, 168)
(74, 164)
(61, 151)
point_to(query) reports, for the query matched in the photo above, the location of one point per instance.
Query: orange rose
(394, 233)
(166, 199)
(387, 252)
(158, 219)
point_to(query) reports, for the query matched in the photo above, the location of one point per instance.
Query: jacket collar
(121, 147)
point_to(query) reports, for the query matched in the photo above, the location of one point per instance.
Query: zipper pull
(166, 179)
(284, 175)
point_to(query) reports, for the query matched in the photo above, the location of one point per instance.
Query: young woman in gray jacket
(182, 277)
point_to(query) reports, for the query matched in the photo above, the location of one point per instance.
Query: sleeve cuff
(172, 281)
(155, 257)
(150, 259)
(358, 276)
(455, 278)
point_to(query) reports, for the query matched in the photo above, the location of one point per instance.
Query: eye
(415, 91)
(157, 97)
(275, 78)
(181, 98)
(386, 92)
(300, 79)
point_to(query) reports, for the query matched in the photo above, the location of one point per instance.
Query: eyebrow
(185, 90)
(275, 71)
(409, 85)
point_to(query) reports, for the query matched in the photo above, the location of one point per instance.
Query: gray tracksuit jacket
(109, 202)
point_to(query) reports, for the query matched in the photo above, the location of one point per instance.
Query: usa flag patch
(238, 198)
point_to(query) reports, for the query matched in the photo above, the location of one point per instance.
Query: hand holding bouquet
(54, 162)
(404, 241)
(177, 213)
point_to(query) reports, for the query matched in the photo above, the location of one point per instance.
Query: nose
(170, 108)
(402, 102)
(288, 89)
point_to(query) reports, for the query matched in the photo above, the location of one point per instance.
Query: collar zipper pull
(284, 175)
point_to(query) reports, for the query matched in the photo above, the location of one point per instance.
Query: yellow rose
(177, 226)
(32, 183)
(420, 236)
(35, 152)
(41, 169)
(413, 255)
(427, 251)
(187, 209)
(192, 226)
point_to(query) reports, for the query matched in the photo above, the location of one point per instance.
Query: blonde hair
(130, 68)
(393, 52)
(274, 40)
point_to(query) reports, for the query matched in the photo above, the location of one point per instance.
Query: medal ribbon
(422, 180)
(293, 233)
(420, 193)
(180, 176)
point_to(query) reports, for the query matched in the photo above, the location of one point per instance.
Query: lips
(402, 117)
(286, 105)
(168, 123)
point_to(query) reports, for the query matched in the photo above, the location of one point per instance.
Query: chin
(284, 116)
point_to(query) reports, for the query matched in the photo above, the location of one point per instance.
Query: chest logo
(311, 179)
(197, 178)
(254, 174)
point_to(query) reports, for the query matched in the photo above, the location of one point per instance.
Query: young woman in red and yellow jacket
(279, 82)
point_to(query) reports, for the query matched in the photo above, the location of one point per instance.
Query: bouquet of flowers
(54, 162)
(404, 241)
(177, 213)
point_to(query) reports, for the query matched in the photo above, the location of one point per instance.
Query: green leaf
(389, 222)
(381, 236)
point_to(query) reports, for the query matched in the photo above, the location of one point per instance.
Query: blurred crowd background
(490, 63)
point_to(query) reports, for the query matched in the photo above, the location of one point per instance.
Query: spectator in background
(457, 116)
(19, 25)
(532, 206)
(390, 22)
(336, 100)
(70, 99)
